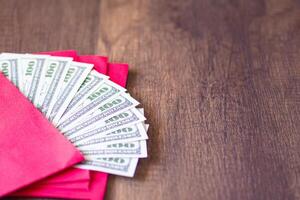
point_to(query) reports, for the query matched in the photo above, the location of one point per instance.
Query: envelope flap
(31, 148)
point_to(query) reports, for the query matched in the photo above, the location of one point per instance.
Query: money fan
(98, 116)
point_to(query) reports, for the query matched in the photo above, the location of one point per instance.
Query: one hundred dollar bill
(75, 76)
(118, 166)
(18, 81)
(137, 149)
(55, 70)
(101, 112)
(9, 67)
(82, 132)
(93, 80)
(100, 95)
(128, 133)
(32, 67)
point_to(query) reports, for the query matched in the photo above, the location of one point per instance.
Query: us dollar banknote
(83, 132)
(9, 67)
(100, 95)
(55, 70)
(119, 166)
(128, 133)
(32, 67)
(17, 72)
(136, 149)
(93, 80)
(102, 111)
(75, 76)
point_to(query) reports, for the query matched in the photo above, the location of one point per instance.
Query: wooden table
(219, 80)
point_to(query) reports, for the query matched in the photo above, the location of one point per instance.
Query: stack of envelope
(43, 155)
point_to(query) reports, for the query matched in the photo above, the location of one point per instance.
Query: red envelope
(100, 62)
(96, 190)
(74, 185)
(72, 174)
(66, 176)
(98, 180)
(118, 73)
(31, 148)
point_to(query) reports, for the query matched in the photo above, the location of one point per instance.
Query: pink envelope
(66, 176)
(70, 185)
(97, 184)
(98, 180)
(100, 62)
(71, 174)
(31, 148)
(96, 190)
(118, 73)
(75, 185)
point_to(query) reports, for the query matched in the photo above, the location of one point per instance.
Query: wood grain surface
(219, 80)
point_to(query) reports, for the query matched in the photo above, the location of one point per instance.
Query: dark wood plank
(31, 26)
(219, 80)
(220, 84)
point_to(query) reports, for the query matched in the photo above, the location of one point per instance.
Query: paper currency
(128, 133)
(31, 67)
(136, 149)
(55, 70)
(14, 72)
(76, 74)
(101, 112)
(118, 166)
(9, 66)
(90, 128)
(100, 95)
(88, 86)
